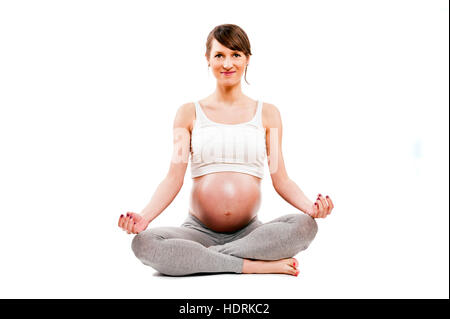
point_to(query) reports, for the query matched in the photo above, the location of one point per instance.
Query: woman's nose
(227, 63)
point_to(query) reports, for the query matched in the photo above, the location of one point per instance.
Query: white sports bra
(218, 147)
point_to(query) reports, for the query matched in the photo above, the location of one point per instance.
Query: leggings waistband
(193, 219)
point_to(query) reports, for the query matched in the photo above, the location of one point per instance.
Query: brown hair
(232, 37)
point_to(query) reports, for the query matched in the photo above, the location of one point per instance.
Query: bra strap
(198, 112)
(259, 115)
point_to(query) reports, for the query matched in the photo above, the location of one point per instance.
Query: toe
(293, 271)
(293, 262)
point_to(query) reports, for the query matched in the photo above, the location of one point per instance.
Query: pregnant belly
(225, 201)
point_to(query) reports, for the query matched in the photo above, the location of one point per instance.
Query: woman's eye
(234, 54)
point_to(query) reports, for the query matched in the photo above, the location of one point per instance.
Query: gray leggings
(194, 248)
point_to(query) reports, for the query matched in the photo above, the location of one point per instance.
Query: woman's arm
(164, 194)
(291, 193)
(283, 185)
(170, 186)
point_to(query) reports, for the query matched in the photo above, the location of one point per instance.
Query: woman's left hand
(322, 207)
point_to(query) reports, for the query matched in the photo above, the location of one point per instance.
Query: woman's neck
(227, 95)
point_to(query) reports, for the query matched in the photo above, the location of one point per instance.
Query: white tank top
(218, 147)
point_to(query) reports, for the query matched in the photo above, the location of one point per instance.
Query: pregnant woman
(228, 137)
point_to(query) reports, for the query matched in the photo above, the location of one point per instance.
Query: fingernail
(327, 196)
(121, 215)
(320, 195)
(316, 204)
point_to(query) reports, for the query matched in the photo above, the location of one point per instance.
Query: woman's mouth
(228, 73)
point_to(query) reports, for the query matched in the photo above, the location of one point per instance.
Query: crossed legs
(178, 251)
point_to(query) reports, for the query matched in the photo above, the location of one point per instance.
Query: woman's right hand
(133, 223)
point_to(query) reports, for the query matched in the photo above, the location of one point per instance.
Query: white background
(88, 94)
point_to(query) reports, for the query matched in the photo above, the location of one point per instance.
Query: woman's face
(224, 60)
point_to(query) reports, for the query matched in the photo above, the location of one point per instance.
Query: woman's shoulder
(270, 115)
(185, 116)
(188, 107)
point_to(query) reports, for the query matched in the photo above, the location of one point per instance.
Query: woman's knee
(144, 243)
(149, 248)
(306, 227)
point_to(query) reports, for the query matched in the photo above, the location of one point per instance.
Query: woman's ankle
(248, 266)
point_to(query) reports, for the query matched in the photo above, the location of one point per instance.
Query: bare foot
(283, 266)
